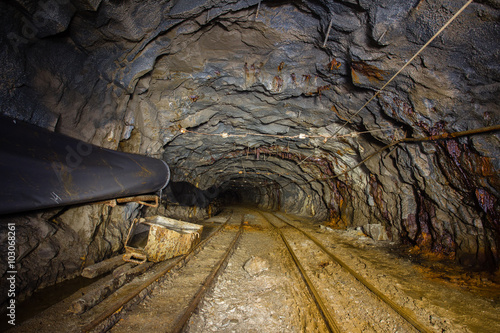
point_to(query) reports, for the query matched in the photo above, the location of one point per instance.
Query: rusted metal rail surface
(181, 323)
(332, 323)
(175, 298)
(123, 292)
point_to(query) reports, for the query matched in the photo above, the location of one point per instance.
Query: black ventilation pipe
(41, 169)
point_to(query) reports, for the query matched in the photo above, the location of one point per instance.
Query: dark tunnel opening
(258, 192)
(343, 113)
(187, 194)
(251, 191)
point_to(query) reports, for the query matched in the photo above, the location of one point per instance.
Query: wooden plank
(95, 296)
(102, 267)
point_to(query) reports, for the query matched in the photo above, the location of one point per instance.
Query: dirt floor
(260, 289)
(275, 298)
(443, 295)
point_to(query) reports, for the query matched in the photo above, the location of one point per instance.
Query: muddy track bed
(351, 304)
(132, 290)
(261, 290)
(436, 303)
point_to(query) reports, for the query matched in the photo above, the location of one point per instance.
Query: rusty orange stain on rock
(334, 64)
(371, 72)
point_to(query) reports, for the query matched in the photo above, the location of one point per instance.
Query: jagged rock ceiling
(242, 100)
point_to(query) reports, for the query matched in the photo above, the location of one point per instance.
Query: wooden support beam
(102, 267)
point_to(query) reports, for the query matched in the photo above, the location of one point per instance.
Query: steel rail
(329, 320)
(409, 317)
(118, 306)
(181, 323)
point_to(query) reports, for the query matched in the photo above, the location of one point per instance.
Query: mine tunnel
(373, 124)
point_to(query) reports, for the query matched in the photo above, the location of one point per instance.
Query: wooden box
(158, 238)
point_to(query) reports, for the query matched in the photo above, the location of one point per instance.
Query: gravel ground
(444, 298)
(273, 296)
(260, 290)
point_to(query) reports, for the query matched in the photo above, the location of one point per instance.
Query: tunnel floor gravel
(276, 300)
(260, 288)
(443, 296)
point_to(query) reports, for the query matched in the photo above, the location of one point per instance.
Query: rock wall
(55, 245)
(242, 97)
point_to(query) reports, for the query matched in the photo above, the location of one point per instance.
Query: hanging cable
(427, 138)
(301, 136)
(328, 31)
(407, 63)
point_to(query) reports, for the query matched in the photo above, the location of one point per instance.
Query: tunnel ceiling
(253, 97)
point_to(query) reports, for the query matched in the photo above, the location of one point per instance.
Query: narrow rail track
(103, 316)
(322, 294)
(303, 259)
(169, 306)
(260, 289)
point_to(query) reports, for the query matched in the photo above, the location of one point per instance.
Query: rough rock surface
(56, 245)
(256, 265)
(175, 80)
(375, 231)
